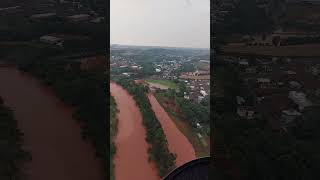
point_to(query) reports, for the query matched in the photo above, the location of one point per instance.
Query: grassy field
(307, 50)
(167, 83)
(200, 148)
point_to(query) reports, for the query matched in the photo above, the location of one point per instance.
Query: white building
(203, 93)
(126, 74)
(134, 67)
(198, 125)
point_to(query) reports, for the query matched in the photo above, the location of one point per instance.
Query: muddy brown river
(131, 158)
(178, 143)
(50, 133)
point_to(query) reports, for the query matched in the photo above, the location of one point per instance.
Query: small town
(278, 87)
(193, 72)
(266, 88)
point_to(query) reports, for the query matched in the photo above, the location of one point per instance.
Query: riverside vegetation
(113, 132)
(12, 155)
(158, 151)
(82, 89)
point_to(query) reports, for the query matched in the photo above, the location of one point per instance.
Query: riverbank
(178, 144)
(201, 147)
(12, 154)
(113, 132)
(158, 149)
(131, 157)
(80, 88)
(51, 134)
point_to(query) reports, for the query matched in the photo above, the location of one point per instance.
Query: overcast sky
(176, 23)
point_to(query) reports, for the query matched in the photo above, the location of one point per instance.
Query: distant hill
(159, 51)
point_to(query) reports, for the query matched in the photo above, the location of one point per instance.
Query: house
(300, 99)
(289, 115)
(242, 112)
(199, 73)
(78, 18)
(126, 74)
(199, 135)
(250, 114)
(315, 70)
(134, 67)
(267, 68)
(294, 85)
(200, 98)
(244, 63)
(53, 40)
(280, 84)
(203, 93)
(264, 82)
(198, 125)
(204, 61)
(245, 112)
(240, 100)
(43, 16)
(97, 20)
(292, 73)
(251, 70)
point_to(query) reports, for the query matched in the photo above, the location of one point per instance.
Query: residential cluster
(171, 67)
(278, 88)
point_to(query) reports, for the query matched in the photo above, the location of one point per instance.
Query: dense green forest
(12, 155)
(113, 132)
(253, 148)
(158, 151)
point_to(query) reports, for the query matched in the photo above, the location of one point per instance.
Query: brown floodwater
(51, 135)
(178, 143)
(131, 158)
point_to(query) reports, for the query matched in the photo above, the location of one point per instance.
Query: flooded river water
(131, 158)
(51, 134)
(178, 143)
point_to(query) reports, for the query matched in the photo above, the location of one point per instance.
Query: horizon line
(163, 46)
